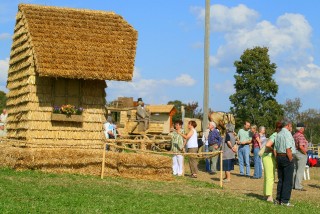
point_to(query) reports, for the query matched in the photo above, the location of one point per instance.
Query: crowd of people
(281, 151)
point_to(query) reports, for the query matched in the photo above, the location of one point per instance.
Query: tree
(3, 100)
(291, 109)
(311, 118)
(256, 89)
(177, 104)
(191, 110)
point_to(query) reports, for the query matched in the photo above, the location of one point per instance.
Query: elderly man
(300, 158)
(245, 137)
(214, 141)
(142, 114)
(285, 150)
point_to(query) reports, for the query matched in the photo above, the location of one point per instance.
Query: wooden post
(221, 168)
(206, 67)
(103, 160)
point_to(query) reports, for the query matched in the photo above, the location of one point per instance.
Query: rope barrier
(201, 155)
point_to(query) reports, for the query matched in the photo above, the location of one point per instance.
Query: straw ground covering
(36, 192)
(85, 159)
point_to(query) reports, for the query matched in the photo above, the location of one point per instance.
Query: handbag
(262, 150)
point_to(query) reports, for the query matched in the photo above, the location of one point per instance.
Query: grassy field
(37, 192)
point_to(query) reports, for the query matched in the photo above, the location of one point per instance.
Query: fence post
(221, 168)
(103, 160)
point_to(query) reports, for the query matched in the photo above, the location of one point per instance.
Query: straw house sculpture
(63, 56)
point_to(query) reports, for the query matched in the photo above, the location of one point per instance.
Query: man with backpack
(214, 141)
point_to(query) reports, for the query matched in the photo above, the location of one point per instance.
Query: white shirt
(3, 118)
(107, 127)
(193, 140)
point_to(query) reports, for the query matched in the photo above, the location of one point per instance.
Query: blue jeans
(208, 166)
(285, 178)
(257, 164)
(243, 156)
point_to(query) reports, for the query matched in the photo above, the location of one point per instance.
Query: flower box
(67, 118)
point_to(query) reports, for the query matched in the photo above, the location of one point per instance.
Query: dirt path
(254, 187)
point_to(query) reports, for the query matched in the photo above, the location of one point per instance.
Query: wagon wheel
(154, 147)
(141, 141)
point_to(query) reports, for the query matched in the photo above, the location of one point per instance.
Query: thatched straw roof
(160, 108)
(81, 44)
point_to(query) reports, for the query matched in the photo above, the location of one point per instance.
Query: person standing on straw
(177, 143)
(192, 146)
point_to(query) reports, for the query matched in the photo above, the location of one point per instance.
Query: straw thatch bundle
(105, 44)
(86, 161)
(62, 56)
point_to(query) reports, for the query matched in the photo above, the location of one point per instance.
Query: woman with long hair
(269, 164)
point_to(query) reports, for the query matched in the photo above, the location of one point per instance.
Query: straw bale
(86, 161)
(45, 115)
(21, 74)
(61, 134)
(20, 23)
(20, 32)
(56, 125)
(16, 84)
(18, 58)
(30, 97)
(21, 48)
(25, 90)
(90, 45)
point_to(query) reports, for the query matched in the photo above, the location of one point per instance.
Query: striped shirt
(300, 140)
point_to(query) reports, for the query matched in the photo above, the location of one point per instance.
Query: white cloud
(4, 65)
(185, 80)
(304, 78)
(140, 87)
(288, 40)
(4, 36)
(227, 19)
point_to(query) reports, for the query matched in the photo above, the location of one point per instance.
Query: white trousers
(177, 164)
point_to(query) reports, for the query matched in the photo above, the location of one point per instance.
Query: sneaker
(276, 202)
(225, 180)
(287, 204)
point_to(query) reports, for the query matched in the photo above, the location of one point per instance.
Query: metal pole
(206, 67)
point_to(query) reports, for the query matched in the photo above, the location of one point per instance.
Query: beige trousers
(193, 162)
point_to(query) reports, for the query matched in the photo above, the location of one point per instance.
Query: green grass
(36, 192)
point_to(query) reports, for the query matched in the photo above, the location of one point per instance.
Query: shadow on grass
(215, 179)
(257, 196)
(314, 186)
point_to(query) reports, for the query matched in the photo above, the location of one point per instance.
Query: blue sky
(169, 61)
